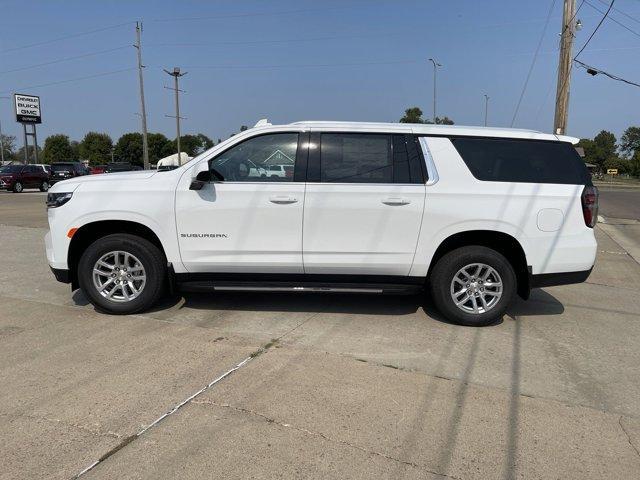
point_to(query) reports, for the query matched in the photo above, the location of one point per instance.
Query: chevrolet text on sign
(27, 108)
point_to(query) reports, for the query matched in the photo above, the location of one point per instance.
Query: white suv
(475, 215)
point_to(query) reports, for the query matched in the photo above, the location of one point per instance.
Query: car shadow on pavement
(540, 303)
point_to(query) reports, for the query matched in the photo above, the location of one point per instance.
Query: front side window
(267, 158)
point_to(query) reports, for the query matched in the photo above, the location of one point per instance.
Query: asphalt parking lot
(324, 386)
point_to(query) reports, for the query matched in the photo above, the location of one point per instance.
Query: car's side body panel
(458, 202)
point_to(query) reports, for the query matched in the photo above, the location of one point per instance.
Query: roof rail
(263, 122)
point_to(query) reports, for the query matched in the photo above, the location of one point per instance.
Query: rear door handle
(282, 199)
(396, 201)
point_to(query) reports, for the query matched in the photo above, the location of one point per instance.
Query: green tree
(442, 121)
(57, 148)
(412, 115)
(18, 155)
(159, 147)
(205, 142)
(129, 148)
(96, 148)
(8, 146)
(634, 164)
(600, 149)
(630, 141)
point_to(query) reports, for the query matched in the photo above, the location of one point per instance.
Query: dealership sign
(27, 108)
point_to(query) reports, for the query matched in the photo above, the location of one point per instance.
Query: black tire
(44, 186)
(148, 254)
(443, 274)
(18, 187)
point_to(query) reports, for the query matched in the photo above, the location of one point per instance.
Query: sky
(288, 60)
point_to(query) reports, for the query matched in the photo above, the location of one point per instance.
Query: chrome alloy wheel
(476, 288)
(119, 276)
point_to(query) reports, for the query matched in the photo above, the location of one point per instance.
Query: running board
(200, 286)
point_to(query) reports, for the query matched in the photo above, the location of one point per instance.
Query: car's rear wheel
(18, 187)
(473, 285)
(44, 186)
(122, 273)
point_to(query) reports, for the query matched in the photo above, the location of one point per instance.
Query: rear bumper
(563, 278)
(61, 274)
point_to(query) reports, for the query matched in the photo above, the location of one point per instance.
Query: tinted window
(62, 167)
(267, 158)
(528, 161)
(11, 169)
(355, 158)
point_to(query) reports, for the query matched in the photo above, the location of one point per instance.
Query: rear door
(30, 176)
(363, 204)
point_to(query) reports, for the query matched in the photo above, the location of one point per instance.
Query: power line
(595, 29)
(66, 59)
(614, 20)
(77, 79)
(59, 39)
(595, 71)
(630, 17)
(300, 65)
(533, 62)
(243, 15)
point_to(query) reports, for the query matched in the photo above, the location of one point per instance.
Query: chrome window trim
(432, 171)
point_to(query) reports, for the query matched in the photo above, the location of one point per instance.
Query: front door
(363, 204)
(250, 222)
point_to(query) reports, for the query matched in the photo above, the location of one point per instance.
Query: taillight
(589, 200)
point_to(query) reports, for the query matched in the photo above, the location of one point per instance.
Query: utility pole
(564, 67)
(1, 139)
(486, 109)
(143, 109)
(435, 90)
(176, 74)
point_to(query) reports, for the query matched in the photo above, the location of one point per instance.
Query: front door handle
(282, 199)
(396, 201)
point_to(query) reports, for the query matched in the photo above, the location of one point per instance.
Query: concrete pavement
(344, 386)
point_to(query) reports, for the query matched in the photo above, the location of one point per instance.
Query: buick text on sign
(27, 108)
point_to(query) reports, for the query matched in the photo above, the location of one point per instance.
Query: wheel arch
(90, 232)
(501, 242)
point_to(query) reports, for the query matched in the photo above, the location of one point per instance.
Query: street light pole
(143, 109)
(176, 74)
(486, 109)
(435, 89)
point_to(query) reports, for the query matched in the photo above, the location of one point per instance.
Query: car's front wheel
(18, 187)
(122, 273)
(473, 285)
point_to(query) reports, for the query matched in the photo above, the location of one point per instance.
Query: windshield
(11, 169)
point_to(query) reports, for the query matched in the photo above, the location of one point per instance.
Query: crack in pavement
(628, 436)
(126, 441)
(84, 428)
(306, 431)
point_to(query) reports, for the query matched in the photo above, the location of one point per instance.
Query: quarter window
(267, 158)
(528, 161)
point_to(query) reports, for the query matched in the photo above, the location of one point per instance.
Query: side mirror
(201, 180)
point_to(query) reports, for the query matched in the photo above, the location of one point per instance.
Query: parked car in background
(65, 170)
(121, 167)
(280, 171)
(97, 169)
(18, 177)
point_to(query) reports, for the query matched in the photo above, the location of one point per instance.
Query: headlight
(55, 200)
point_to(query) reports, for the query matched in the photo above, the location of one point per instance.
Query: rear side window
(526, 161)
(365, 158)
